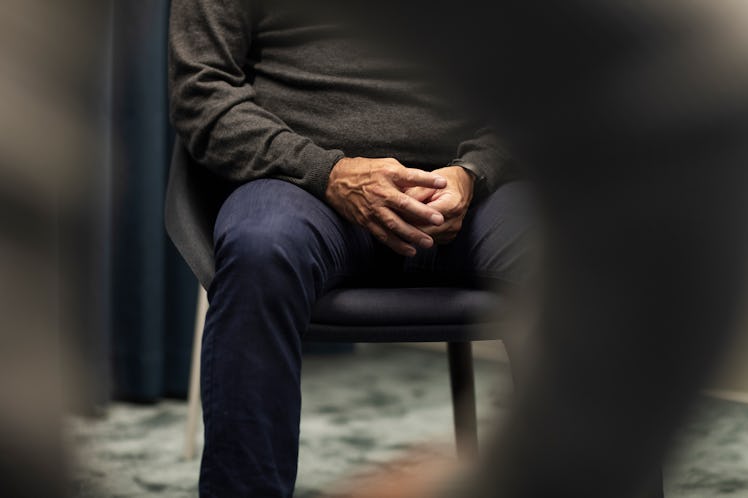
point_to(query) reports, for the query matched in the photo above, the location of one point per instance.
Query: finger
(433, 233)
(444, 202)
(414, 210)
(445, 238)
(405, 231)
(448, 205)
(391, 240)
(421, 194)
(413, 177)
(444, 233)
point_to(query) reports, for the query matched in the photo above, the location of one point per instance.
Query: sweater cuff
(320, 161)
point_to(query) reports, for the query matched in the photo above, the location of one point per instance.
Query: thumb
(442, 200)
(421, 194)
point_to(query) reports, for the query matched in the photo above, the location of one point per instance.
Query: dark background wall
(153, 293)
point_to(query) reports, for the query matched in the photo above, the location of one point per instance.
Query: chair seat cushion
(406, 314)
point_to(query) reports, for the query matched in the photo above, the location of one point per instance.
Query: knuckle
(389, 169)
(396, 173)
(377, 191)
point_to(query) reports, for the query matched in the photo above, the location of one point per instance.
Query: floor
(360, 412)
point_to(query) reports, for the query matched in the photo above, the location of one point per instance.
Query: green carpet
(360, 411)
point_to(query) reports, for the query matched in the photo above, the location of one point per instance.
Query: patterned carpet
(361, 411)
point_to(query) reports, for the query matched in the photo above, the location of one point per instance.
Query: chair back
(193, 198)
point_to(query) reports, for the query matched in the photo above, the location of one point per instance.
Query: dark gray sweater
(258, 91)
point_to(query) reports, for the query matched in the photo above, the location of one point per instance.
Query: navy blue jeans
(277, 249)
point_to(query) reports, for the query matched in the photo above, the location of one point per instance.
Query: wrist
(465, 177)
(334, 171)
(340, 165)
(468, 174)
(479, 183)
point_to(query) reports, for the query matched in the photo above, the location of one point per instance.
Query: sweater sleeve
(212, 104)
(485, 157)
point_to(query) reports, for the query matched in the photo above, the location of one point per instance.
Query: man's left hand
(452, 202)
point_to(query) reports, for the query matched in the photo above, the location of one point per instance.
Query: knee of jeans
(265, 248)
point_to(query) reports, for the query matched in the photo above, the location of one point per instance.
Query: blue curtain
(153, 293)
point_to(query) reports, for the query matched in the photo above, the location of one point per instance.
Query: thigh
(268, 213)
(495, 243)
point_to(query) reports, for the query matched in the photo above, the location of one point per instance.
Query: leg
(493, 248)
(463, 398)
(277, 247)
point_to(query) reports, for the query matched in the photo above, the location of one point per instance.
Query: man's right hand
(370, 192)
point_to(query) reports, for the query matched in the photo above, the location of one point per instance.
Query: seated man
(348, 163)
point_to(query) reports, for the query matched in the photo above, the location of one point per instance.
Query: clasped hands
(405, 208)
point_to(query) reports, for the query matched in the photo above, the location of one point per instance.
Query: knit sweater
(258, 91)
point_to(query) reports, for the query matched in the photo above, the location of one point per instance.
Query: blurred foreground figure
(632, 118)
(49, 148)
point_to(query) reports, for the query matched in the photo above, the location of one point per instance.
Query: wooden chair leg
(463, 398)
(193, 397)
